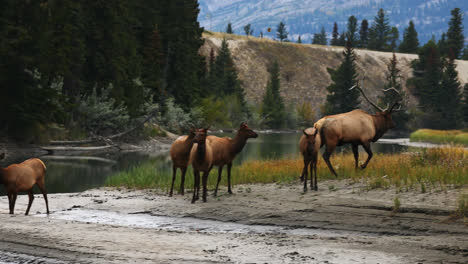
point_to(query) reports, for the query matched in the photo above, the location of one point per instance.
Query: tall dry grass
(430, 169)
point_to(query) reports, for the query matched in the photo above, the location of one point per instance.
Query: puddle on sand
(184, 224)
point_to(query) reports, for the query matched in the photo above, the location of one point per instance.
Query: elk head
(384, 114)
(246, 132)
(310, 137)
(200, 136)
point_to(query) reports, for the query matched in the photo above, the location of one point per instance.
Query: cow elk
(309, 146)
(180, 156)
(225, 150)
(201, 158)
(22, 178)
(356, 128)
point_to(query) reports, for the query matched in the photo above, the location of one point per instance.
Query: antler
(367, 99)
(396, 102)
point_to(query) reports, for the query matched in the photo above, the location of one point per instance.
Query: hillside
(304, 75)
(305, 17)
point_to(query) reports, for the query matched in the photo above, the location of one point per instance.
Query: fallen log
(53, 150)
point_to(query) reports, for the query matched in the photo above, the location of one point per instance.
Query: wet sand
(341, 223)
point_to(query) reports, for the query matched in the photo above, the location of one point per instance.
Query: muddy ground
(341, 223)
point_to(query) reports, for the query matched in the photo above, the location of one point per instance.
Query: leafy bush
(101, 114)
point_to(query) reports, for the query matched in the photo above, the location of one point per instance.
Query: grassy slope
(304, 75)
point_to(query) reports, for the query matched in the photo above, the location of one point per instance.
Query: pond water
(70, 174)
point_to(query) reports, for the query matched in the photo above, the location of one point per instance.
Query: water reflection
(76, 175)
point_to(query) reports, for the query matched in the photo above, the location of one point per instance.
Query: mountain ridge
(308, 16)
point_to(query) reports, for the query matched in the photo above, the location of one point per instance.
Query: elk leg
(41, 186)
(369, 153)
(229, 166)
(182, 181)
(315, 173)
(31, 199)
(13, 202)
(10, 200)
(304, 175)
(356, 155)
(220, 172)
(205, 183)
(326, 156)
(196, 175)
(174, 171)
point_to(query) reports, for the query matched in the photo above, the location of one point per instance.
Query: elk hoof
(181, 193)
(215, 194)
(301, 178)
(363, 166)
(305, 190)
(170, 195)
(316, 188)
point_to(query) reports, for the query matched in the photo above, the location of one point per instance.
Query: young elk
(22, 178)
(180, 156)
(356, 128)
(225, 150)
(201, 158)
(309, 145)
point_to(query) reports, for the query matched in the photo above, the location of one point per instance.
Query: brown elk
(201, 158)
(309, 146)
(180, 156)
(22, 178)
(356, 128)
(225, 150)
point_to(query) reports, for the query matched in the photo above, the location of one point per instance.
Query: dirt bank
(341, 223)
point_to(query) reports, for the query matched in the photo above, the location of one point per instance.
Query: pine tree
(224, 74)
(410, 43)
(364, 34)
(340, 99)
(281, 32)
(334, 41)
(455, 37)
(394, 37)
(393, 80)
(299, 40)
(342, 39)
(379, 32)
(351, 35)
(442, 45)
(229, 28)
(449, 101)
(464, 110)
(273, 109)
(248, 30)
(153, 65)
(465, 53)
(323, 36)
(427, 72)
(320, 38)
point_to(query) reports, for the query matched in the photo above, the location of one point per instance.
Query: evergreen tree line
(435, 81)
(61, 59)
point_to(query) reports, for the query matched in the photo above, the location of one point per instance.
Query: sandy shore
(341, 223)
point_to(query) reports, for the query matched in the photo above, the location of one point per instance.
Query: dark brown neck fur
(380, 127)
(201, 150)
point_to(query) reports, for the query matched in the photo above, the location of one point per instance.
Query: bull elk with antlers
(356, 128)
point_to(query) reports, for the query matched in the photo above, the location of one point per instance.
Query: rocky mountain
(304, 75)
(306, 17)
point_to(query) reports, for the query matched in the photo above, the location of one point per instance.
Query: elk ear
(303, 131)
(243, 125)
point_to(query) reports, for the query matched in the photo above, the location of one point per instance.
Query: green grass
(432, 168)
(440, 136)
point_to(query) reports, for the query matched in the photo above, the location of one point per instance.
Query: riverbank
(261, 223)
(455, 137)
(17, 152)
